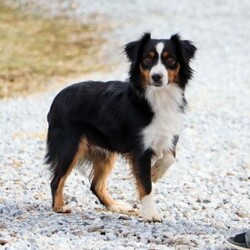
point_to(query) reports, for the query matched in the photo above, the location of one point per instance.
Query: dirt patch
(36, 51)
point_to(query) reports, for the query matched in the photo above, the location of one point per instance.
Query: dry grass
(35, 50)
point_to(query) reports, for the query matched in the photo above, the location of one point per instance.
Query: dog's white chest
(166, 123)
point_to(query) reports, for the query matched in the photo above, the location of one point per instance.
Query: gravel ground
(204, 197)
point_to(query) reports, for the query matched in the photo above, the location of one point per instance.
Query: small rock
(243, 214)
(3, 242)
(95, 229)
(182, 247)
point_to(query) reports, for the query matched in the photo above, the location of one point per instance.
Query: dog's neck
(164, 97)
(165, 103)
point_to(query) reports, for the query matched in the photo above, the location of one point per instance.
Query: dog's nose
(156, 77)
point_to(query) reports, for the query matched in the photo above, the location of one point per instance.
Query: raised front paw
(155, 173)
(161, 166)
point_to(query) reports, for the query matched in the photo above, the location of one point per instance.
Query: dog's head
(159, 62)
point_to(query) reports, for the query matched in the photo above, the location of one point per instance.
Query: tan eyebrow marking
(151, 54)
(165, 54)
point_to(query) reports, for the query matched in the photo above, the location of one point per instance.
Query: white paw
(151, 215)
(120, 206)
(64, 209)
(148, 211)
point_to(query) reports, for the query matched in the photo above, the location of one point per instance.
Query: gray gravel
(205, 196)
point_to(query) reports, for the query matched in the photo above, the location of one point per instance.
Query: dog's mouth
(158, 84)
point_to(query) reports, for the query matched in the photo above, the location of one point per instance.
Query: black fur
(108, 114)
(134, 51)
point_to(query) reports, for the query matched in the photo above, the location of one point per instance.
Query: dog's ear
(185, 52)
(132, 49)
(184, 47)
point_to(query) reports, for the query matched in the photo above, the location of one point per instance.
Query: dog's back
(106, 114)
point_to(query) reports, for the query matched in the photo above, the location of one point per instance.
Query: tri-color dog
(91, 122)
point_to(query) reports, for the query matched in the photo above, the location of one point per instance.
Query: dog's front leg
(142, 171)
(162, 165)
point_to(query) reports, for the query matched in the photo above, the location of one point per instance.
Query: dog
(91, 122)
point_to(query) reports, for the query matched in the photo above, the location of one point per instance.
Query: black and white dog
(91, 122)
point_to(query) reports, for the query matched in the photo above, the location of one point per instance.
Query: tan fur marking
(59, 200)
(173, 74)
(145, 76)
(151, 54)
(141, 191)
(101, 171)
(165, 54)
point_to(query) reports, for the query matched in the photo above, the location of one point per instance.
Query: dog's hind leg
(62, 170)
(102, 167)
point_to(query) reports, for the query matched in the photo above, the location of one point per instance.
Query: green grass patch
(34, 50)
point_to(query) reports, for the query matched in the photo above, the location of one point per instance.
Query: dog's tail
(62, 145)
(62, 139)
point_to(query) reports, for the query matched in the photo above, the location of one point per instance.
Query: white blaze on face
(159, 68)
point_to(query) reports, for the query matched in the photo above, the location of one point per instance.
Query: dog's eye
(171, 61)
(147, 60)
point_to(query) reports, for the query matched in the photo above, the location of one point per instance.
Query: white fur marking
(148, 210)
(161, 166)
(64, 209)
(159, 68)
(120, 206)
(159, 47)
(166, 123)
